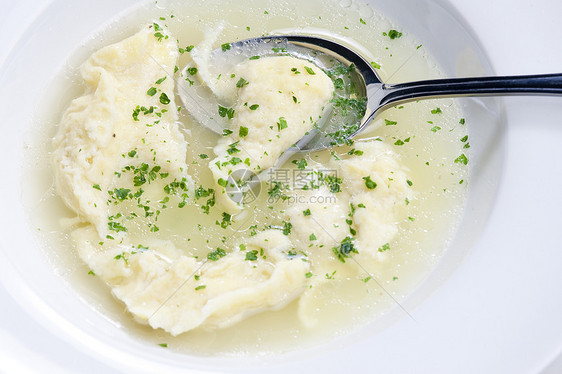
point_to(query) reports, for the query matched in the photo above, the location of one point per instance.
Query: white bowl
(62, 322)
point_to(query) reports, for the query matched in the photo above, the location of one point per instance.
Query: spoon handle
(547, 84)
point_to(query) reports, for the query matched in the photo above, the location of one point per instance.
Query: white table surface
(523, 303)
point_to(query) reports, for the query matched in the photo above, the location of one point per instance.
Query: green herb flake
(389, 123)
(216, 255)
(222, 182)
(226, 112)
(362, 21)
(243, 131)
(192, 71)
(226, 220)
(393, 34)
(436, 111)
(252, 255)
(306, 212)
(384, 248)
(203, 156)
(287, 226)
(97, 187)
(254, 107)
(462, 121)
(164, 99)
(225, 47)
(330, 276)
(151, 91)
(160, 36)
(435, 128)
(282, 124)
(345, 249)
(462, 159)
(241, 83)
(301, 164)
(309, 70)
(369, 183)
(308, 275)
(201, 287)
(375, 65)
(163, 345)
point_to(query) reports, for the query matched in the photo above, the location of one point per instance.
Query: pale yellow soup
(429, 137)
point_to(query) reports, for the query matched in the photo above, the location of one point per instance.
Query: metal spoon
(368, 87)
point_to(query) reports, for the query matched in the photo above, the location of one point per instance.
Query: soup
(428, 140)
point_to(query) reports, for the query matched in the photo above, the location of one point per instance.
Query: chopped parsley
(393, 34)
(345, 249)
(301, 165)
(309, 70)
(462, 159)
(216, 255)
(252, 255)
(282, 124)
(226, 220)
(241, 83)
(287, 226)
(370, 184)
(384, 248)
(164, 99)
(226, 112)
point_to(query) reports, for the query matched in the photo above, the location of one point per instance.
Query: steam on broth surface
(416, 151)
